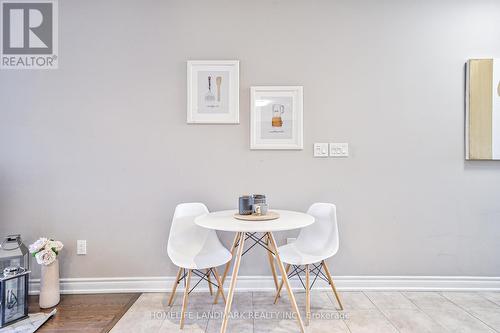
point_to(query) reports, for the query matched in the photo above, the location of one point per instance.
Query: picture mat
(267, 131)
(202, 90)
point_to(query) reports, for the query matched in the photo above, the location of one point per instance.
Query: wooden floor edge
(112, 324)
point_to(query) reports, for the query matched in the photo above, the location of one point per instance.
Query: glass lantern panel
(15, 298)
(13, 253)
(13, 262)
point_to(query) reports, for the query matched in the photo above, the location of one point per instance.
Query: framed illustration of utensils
(276, 120)
(213, 92)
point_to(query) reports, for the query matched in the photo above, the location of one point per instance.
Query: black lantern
(14, 275)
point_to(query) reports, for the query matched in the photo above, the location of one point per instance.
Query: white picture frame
(213, 88)
(276, 117)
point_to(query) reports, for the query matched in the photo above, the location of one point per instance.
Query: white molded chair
(193, 249)
(313, 246)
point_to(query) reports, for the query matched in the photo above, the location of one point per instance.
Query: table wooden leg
(226, 270)
(308, 296)
(234, 277)
(209, 283)
(185, 300)
(174, 287)
(286, 282)
(330, 280)
(219, 282)
(271, 264)
(281, 284)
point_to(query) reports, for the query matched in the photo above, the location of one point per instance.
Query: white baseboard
(265, 283)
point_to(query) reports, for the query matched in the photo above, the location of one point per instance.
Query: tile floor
(370, 311)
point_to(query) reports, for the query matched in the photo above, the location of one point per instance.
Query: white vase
(49, 285)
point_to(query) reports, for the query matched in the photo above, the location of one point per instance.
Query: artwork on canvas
(482, 123)
(276, 114)
(213, 92)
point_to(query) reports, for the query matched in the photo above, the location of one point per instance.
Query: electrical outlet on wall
(81, 247)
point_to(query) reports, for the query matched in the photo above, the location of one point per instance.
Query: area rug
(30, 324)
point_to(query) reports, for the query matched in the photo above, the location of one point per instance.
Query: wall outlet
(321, 150)
(339, 149)
(290, 240)
(81, 247)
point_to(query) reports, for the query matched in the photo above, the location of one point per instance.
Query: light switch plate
(81, 247)
(339, 149)
(321, 150)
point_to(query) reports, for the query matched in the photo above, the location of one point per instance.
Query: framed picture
(213, 92)
(482, 113)
(276, 117)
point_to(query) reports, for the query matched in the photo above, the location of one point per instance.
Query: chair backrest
(186, 238)
(321, 237)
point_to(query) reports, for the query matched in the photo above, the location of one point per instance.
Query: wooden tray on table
(253, 217)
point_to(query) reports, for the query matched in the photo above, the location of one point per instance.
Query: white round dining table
(225, 221)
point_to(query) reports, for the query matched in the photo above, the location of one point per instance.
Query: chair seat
(203, 259)
(290, 254)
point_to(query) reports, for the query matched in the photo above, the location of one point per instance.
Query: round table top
(225, 221)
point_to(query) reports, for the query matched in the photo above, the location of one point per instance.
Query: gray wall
(100, 149)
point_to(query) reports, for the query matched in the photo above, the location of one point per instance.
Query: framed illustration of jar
(276, 117)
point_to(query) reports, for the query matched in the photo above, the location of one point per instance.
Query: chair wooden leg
(185, 300)
(209, 282)
(219, 283)
(271, 264)
(308, 297)
(174, 287)
(281, 285)
(327, 271)
(226, 270)
(284, 276)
